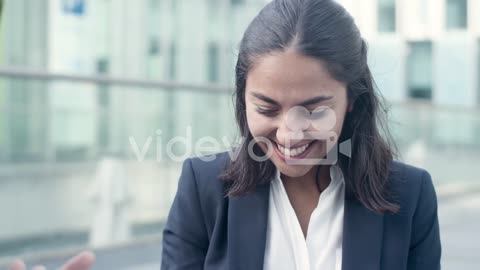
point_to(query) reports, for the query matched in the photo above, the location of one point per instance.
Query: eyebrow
(305, 103)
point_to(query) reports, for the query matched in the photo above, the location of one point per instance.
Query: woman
(289, 200)
(302, 78)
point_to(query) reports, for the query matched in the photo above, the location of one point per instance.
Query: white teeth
(293, 152)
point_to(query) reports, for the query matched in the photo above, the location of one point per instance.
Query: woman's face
(293, 107)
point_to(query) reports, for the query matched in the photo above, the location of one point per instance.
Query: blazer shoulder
(209, 168)
(211, 164)
(408, 184)
(410, 174)
(207, 171)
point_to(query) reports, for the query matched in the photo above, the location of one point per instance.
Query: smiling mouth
(293, 153)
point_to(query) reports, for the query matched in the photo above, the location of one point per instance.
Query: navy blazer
(206, 230)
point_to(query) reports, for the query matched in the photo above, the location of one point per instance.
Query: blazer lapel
(247, 229)
(362, 237)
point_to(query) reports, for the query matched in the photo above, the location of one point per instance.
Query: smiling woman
(303, 85)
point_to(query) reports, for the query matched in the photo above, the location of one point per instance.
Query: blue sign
(75, 7)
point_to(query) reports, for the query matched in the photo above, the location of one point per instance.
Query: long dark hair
(324, 30)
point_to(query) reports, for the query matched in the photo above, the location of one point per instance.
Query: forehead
(291, 76)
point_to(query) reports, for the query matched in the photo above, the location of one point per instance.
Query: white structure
(111, 198)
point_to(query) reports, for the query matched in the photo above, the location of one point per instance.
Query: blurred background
(89, 87)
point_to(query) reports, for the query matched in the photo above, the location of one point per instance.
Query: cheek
(340, 117)
(258, 125)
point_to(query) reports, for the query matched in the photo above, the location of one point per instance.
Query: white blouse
(287, 248)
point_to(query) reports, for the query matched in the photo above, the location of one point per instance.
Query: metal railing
(29, 74)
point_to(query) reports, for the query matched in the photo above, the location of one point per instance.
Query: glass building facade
(191, 42)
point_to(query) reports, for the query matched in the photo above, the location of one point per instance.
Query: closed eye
(318, 113)
(267, 112)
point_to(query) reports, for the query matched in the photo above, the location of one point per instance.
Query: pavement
(459, 228)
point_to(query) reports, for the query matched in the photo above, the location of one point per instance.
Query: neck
(318, 179)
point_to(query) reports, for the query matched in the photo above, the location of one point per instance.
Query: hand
(82, 261)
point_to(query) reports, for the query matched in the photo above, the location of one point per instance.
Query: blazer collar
(362, 237)
(247, 229)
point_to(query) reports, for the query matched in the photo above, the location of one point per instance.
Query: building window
(386, 16)
(153, 46)
(478, 71)
(419, 70)
(103, 101)
(19, 121)
(237, 2)
(103, 95)
(172, 61)
(213, 62)
(102, 66)
(457, 15)
(19, 134)
(155, 4)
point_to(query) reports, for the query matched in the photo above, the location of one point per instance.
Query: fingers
(17, 265)
(20, 265)
(82, 261)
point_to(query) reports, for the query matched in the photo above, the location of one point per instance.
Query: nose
(287, 135)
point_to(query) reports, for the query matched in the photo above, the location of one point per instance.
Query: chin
(293, 171)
